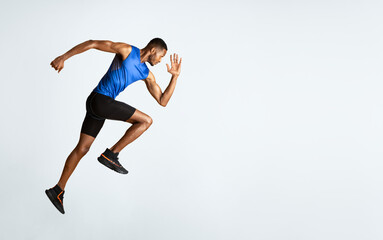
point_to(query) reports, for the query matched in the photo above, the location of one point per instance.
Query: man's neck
(144, 55)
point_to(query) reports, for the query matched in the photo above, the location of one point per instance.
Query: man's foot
(56, 195)
(110, 160)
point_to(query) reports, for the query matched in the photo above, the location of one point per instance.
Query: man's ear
(153, 50)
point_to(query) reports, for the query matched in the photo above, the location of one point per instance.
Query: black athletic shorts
(100, 107)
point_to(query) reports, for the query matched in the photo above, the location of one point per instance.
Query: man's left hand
(175, 65)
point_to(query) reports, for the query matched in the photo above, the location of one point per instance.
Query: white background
(274, 130)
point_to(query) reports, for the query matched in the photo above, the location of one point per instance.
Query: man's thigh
(111, 109)
(139, 116)
(91, 126)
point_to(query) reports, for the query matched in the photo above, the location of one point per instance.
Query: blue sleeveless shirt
(122, 73)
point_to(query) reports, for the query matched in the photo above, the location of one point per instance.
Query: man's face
(156, 56)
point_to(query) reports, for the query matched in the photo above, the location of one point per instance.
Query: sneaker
(110, 160)
(56, 195)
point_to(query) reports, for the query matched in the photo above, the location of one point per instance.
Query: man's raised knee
(148, 121)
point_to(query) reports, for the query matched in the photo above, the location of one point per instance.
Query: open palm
(175, 65)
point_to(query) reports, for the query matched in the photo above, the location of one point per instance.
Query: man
(128, 66)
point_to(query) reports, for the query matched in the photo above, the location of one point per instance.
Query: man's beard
(150, 59)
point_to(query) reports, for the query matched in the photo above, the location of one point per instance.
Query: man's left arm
(155, 90)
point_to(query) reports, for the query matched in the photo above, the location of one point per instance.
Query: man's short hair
(157, 43)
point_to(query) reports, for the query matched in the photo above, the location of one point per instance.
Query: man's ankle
(113, 151)
(60, 186)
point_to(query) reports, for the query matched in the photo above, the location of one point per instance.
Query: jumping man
(127, 67)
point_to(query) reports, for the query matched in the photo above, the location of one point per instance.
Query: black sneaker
(56, 195)
(110, 160)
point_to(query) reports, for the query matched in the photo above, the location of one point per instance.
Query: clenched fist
(58, 63)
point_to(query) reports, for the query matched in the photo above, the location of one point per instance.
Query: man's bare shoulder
(124, 50)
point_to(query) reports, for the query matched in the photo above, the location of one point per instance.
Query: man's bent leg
(74, 157)
(141, 122)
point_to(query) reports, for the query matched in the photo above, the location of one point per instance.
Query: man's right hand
(58, 63)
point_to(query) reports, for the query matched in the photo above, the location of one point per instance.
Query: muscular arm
(155, 90)
(104, 45)
(82, 47)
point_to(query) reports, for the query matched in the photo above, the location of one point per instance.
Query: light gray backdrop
(274, 130)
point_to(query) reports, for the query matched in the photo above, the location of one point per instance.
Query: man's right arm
(104, 45)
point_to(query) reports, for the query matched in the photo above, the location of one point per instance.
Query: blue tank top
(122, 73)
